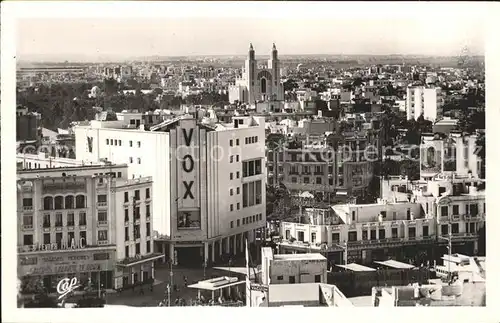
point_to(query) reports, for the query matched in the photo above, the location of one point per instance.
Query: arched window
(59, 203)
(48, 203)
(80, 201)
(69, 202)
(263, 85)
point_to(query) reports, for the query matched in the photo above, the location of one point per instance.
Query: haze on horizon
(118, 38)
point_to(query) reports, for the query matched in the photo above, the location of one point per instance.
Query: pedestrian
(142, 291)
(151, 287)
(185, 281)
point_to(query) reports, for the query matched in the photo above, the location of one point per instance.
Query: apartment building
(417, 217)
(426, 101)
(74, 221)
(208, 179)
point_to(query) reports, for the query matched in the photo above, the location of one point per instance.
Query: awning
(239, 270)
(135, 261)
(217, 283)
(356, 267)
(395, 264)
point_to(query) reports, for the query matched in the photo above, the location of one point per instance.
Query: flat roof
(395, 264)
(216, 283)
(240, 270)
(294, 292)
(356, 267)
(299, 256)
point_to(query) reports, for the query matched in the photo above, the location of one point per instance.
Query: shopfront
(133, 271)
(94, 266)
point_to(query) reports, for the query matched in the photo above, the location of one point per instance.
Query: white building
(78, 221)
(258, 83)
(424, 101)
(208, 181)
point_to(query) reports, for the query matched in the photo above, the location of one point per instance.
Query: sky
(67, 38)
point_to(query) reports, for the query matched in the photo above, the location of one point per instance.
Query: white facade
(424, 101)
(258, 83)
(198, 176)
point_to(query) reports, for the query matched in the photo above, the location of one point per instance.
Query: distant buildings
(425, 101)
(27, 125)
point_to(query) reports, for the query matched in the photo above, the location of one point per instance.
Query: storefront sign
(188, 242)
(259, 288)
(66, 263)
(66, 286)
(53, 246)
(187, 157)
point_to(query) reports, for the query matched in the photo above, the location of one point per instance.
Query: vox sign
(187, 157)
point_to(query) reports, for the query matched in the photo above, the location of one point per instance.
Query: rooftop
(298, 257)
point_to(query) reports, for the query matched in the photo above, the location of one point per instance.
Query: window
(353, 216)
(373, 234)
(138, 248)
(138, 144)
(394, 232)
(119, 142)
(425, 230)
(444, 229)
(126, 215)
(237, 142)
(137, 232)
(28, 220)
(126, 252)
(130, 143)
(83, 237)
(238, 222)
(102, 216)
(101, 198)
(352, 236)
(411, 233)
(454, 228)
(318, 180)
(381, 234)
(231, 208)
(230, 176)
(59, 221)
(148, 210)
(137, 213)
(46, 220)
(237, 190)
(137, 195)
(80, 201)
(231, 158)
(127, 236)
(237, 174)
(444, 211)
(455, 210)
(125, 197)
(231, 192)
(335, 237)
(408, 214)
(102, 235)
(294, 179)
(28, 240)
(116, 142)
(48, 203)
(71, 237)
(28, 202)
(59, 237)
(300, 235)
(306, 180)
(252, 167)
(313, 237)
(131, 160)
(138, 161)
(107, 141)
(472, 227)
(291, 279)
(237, 158)
(148, 229)
(148, 247)
(473, 210)
(279, 277)
(231, 142)
(364, 235)
(237, 206)
(317, 278)
(46, 238)
(119, 174)
(232, 224)
(148, 196)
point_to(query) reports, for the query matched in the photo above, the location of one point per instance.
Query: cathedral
(258, 83)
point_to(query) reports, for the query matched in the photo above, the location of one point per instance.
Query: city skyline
(101, 39)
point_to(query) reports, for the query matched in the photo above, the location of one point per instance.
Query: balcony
(148, 217)
(102, 242)
(455, 217)
(102, 223)
(82, 225)
(102, 204)
(127, 222)
(59, 228)
(126, 202)
(27, 209)
(27, 226)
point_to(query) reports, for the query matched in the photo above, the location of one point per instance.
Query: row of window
(470, 209)
(235, 157)
(247, 220)
(252, 167)
(131, 160)
(251, 140)
(291, 279)
(102, 235)
(372, 234)
(137, 195)
(70, 219)
(237, 141)
(60, 202)
(118, 142)
(231, 175)
(138, 248)
(137, 213)
(137, 232)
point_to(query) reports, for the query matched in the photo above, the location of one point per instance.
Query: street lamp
(344, 247)
(204, 269)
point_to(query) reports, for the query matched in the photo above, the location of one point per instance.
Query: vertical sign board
(187, 164)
